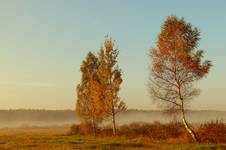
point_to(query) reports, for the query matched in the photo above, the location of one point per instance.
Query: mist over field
(65, 118)
(110, 75)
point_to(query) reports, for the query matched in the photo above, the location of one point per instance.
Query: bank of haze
(65, 118)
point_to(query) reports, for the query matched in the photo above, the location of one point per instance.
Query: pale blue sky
(42, 43)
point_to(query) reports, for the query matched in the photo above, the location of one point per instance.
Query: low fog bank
(64, 118)
(194, 117)
(24, 118)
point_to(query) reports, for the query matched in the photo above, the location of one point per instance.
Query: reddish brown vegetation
(154, 131)
(213, 132)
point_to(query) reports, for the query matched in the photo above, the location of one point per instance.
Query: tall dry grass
(174, 132)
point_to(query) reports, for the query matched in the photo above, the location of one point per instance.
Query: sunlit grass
(46, 139)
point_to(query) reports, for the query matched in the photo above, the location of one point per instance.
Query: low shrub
(213, 132)
(174, 132)
(83, 129)
(155, 131)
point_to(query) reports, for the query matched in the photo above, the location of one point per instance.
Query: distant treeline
(123, 118)
(36, 115)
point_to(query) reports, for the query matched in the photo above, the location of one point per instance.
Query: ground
(57, 139)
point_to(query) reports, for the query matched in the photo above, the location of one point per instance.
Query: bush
(155, 131)
(83, 129)
(213, 132)
(74, 130)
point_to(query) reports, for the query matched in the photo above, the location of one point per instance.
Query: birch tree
(111, 78)
(176, 65)
(89, 104)
(98, 92)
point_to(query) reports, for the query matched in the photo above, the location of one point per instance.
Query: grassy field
(56, 139)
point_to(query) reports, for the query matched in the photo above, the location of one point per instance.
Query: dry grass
(33, 131)
(213, 132)
(57, 139)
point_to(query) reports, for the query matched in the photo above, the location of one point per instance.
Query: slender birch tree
(111, 78)
(88, 104)
(176, 65)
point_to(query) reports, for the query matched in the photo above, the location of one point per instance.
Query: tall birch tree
(176, 65)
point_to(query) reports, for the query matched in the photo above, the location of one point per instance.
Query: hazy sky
(42, 44)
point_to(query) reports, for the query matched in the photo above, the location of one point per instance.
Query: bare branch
(163, 98)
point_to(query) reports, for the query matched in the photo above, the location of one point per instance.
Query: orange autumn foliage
(97, 93)
(89, 104)
(176, 64)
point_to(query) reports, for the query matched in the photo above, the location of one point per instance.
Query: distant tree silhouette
(176, 65)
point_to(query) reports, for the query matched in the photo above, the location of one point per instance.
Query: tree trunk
(114, 126)
(94, 127)
(186, 125)
(113, 121)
